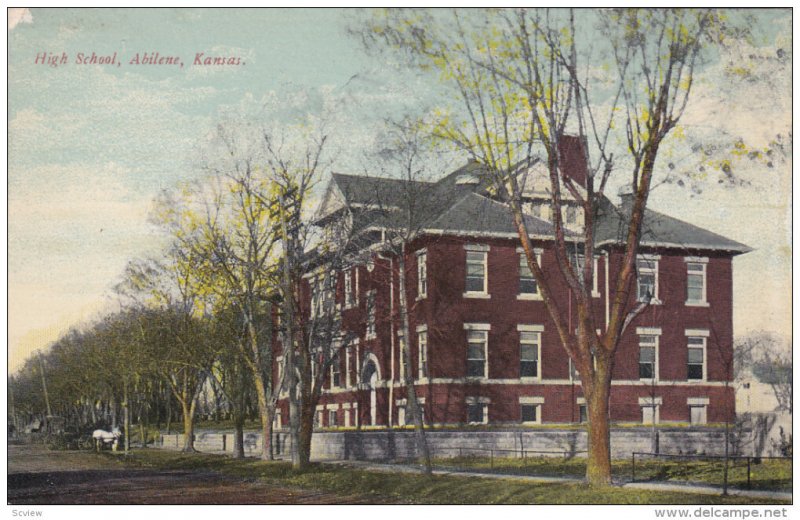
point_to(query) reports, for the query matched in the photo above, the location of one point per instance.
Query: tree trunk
(266, 419)
(142, 433)
(188, 427)
(727, 449)
(169, 414)
(238, 435)
(598, 464)
(126, 416)
(411, 393)
(112, 407)
(305, 432)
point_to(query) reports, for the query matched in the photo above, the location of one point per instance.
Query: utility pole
(288, 344)
(44, 389)
(13, 408)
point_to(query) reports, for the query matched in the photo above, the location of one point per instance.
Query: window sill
(698, 304)
(530, 423)
(530, 297)
(654, 301)
(421, 297)
(370, 336)
(701, 381)
(475, 379)
(479, 295)
(530, 379)
(595, 294)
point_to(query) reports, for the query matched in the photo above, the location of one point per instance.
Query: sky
(91, 145)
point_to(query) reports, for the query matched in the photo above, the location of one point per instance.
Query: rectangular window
(477, 413)
(422, 342)
(326, 295)
(574, 374)
(318, 419)
(579, 265)
(315, 299)
(401, 415)
(476, 353)
(647, 269)
(527, 282)
(529, 413)
(696, 283)
(336, 375)
(332, 418)
(697, 414)
(476, 272)
(371, 314)
(279, 362)
(649, 414)
(647, 356)
(571, 214)
(422, 274)
(401, 345)
(529, 343)
(348, 353)
(582, 415)
(349, 293)
(695, 369)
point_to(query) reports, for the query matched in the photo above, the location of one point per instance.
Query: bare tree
(403, 155)
(521, 87)
(226, 221)
(769, 360)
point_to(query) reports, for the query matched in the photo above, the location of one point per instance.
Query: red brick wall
(445, 310)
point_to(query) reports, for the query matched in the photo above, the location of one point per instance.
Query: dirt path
(39, 476)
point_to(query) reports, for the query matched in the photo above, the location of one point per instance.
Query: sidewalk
(655, 486)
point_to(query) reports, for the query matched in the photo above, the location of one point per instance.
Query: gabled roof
(382, 191)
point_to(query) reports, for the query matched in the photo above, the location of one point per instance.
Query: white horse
(103, 437)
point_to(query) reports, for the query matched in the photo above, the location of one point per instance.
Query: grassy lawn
(416, 489)
(773, 475)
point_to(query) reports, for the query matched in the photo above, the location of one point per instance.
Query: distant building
(483, 346)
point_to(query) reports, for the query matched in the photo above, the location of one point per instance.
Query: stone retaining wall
(399, 444)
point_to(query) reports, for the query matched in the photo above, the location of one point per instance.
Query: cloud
(18, 15)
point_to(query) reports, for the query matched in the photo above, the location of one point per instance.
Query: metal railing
(749, 461)
(516, 453)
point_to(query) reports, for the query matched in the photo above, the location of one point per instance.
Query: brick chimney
(572, 158)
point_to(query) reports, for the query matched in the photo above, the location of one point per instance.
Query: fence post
(459, 453)
(633, 467)
(224, 441)
(748, 472)
(491, 459)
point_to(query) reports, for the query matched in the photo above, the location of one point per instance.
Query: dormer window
(571, 215)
